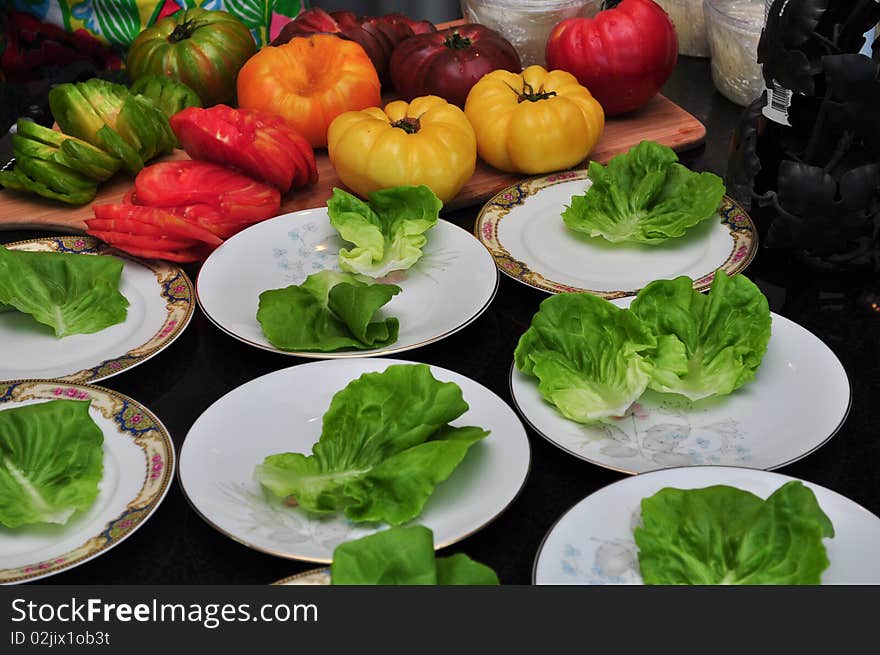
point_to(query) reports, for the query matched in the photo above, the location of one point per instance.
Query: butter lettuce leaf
(51, 461)
(71, 293)
(388, 233)
(385, 444)
(725, 535)
(644, 196)
(404, 556)
(329, 311)
(590, 356)
(706, 344)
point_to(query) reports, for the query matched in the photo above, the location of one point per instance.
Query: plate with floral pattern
(282, 412)
(522, 227)
(161, 304)
(593, 544)
(138, 468)
(450, 286)
(799, 399)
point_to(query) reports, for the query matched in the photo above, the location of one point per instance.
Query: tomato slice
(128, 218)
(260, 144)
(187, 255)
(235, 196)
(122, 239)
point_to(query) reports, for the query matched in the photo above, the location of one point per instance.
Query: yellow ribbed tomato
(535, 121)
(427, 141)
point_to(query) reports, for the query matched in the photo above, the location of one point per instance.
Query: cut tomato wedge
(235, 196)
(260, 144)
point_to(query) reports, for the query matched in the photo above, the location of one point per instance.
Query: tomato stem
(456, 41)
(185, 29)
(408, 125)
(609, 4)
(528, 93)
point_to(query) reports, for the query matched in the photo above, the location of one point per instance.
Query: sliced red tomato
(144, 221)
(195, 254)
(141, 241)
(237, 197)
(262, 145)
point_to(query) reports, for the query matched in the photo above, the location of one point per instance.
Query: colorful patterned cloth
(118, 22)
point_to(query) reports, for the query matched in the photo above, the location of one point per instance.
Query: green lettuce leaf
(724, 535)
(706, 344)
(388, 233)
(71, 293)
(329, 311)
(404, 556)
(590, 356)
(644, 196)
(385, 445)
(51, 461)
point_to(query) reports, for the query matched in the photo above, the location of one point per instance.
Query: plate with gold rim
(448, 288)
(522, 227)
(310, 577)
(139, 464)
(161, 304)
(282, 412)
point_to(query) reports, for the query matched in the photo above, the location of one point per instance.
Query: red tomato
(236, 197)
(149, 222)
(622, 55)
(377, 35)
(262, 145)
(448, 63)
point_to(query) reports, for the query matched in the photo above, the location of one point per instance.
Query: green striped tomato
(203, 49)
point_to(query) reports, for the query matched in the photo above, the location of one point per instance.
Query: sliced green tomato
(74, 114)
(116, 145)
(55, 176)
(18, 181)
(87, 159)
(24, 147)
(35, 132)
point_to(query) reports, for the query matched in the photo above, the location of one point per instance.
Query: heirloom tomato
(623, 55)
(203, 49)
(535, 121)
(448, 63)
(309, 81)
(427, 141)
(262, 145)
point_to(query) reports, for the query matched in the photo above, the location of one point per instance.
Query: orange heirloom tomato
(309, 81)
(533, 122)
(427, 141)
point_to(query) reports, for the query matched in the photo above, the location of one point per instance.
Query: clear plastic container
(733, 28)
(690, 26)
(526, 23)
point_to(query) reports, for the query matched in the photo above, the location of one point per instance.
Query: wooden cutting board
(660, 120)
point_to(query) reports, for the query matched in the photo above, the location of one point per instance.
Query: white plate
(522, 227)
(161, 306)
(448, 288)
(282, 411)
(138, 467)
(798, 400)
(593, 542)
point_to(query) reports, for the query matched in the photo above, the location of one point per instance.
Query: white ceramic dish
(138, 468)
(593, 542)
(448, 288)
(798, 400)
(281, 412)
(161, 306)
(522, 227)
